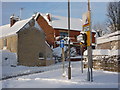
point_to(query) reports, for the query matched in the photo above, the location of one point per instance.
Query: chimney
(13, 20)
(49, 17)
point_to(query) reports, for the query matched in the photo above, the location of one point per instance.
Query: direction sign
(61, 43)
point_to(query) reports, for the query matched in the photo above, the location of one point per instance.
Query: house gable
(49, 31)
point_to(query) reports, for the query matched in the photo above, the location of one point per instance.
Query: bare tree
(113, 14)
(100, 28)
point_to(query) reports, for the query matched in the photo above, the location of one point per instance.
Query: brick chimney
(13, 20)
(49, 17)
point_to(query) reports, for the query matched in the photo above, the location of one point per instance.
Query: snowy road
(54, 79)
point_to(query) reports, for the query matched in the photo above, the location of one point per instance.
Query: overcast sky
(56, 8)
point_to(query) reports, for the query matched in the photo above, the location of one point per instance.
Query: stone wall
(109, 45)
(106, 63)
(31, 42)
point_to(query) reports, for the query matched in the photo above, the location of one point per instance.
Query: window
(63, 34)
(41, 56)
(5, 42)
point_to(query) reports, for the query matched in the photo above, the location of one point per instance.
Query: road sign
(61, 43)
(86, 19)
(88, 38)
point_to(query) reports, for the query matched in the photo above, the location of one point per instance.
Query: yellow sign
(86, 19)
(88, 38)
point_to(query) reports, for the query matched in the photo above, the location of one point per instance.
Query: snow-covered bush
(8, 58)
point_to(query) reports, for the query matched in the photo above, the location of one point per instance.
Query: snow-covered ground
(53, 73)
(54, 79)
(9, 59)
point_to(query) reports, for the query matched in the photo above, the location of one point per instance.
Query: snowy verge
(8, 62)
(18, 70)
(54, 79)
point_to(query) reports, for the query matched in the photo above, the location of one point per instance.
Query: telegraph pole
(90, 61)
(21, 12)
(69, 67)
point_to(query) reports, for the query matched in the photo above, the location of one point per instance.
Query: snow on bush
(58, 51)
(7, 58)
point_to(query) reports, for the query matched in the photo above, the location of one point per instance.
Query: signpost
(63, 56)
(81, 57)
(87, 29)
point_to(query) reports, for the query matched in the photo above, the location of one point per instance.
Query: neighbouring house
(58, 28)
(27, 39)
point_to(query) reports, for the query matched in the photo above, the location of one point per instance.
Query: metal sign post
(63, 56)
(81, 58)
(63, 61)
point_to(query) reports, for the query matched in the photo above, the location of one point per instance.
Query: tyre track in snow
(30, 73)
(19, 75)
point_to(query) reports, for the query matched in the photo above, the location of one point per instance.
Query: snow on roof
(104, 52)
(110, 37)
(111, 34)
(93, 31)
(62, 23)
(6, 30)
(76, 57)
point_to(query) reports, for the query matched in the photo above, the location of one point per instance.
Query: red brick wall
(73, 34)
(49, 31)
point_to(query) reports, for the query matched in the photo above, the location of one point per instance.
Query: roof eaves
(67, 29)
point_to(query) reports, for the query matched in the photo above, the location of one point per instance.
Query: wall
(11, 43)
(31, 42)
(109, 45)
(48, 30)
(109, 41)
(73, 33)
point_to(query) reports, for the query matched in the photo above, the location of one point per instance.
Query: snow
(102, 79)
(7, 30)
(8, 58)
(101, 52)
(58, 51)
(47, 44)
(75, 57)
(110, 37)
(112, 34)
(8, 70)
(45, 17)
(62, 23)
(53, 73)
